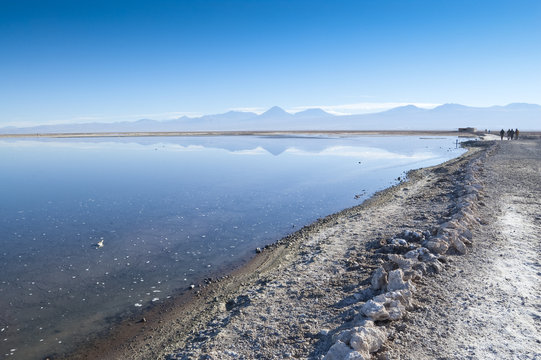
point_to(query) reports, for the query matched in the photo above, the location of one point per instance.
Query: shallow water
(170, 212)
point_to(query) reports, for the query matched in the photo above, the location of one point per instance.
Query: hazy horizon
(444, 117)
(256, 112)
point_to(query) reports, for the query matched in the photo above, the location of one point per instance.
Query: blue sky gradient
(80, 61)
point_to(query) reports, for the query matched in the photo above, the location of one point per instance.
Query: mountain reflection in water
(170, 212)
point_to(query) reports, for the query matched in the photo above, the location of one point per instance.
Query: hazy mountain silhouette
(444, 117)
(402, 110)
(276, 113)
(312, 114)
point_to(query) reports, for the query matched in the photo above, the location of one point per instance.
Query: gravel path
(488, 304)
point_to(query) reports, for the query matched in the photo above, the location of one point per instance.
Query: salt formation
(395, 278)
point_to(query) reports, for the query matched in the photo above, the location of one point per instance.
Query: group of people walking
(511, 134)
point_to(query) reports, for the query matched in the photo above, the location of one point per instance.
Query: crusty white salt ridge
(363, 286)
(444, 265)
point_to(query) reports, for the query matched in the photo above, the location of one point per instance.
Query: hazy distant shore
(248, 132)
(443, 118)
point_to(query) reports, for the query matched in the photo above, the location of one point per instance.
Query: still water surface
(170, 212)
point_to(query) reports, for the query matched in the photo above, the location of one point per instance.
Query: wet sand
(290, 299)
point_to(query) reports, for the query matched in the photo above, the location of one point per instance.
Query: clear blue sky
(78, 60)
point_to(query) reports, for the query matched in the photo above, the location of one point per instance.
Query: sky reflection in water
(171, 211)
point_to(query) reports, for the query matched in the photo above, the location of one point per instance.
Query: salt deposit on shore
(434, 267)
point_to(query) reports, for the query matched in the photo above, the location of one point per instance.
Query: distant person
(502, 133)
(516, 134)
(508, 133)
(512, 134)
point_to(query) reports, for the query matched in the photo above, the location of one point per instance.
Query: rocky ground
(483, 304)
(487, 304)
(445, 265)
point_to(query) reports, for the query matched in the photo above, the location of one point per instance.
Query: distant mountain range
(444, 117)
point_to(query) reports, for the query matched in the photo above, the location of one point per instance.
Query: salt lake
(169, 211)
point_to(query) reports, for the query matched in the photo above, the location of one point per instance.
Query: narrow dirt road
(487, 305)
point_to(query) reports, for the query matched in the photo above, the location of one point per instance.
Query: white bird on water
(99, 244)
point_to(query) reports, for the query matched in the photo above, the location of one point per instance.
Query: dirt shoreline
(261, 133)
(242, 133)
(293, 299)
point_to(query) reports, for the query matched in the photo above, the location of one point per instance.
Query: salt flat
(307, 294)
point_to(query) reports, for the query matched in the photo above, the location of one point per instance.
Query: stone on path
(379, 279)
(396, 281)
(367, 340)
(340, 351)
(375, 311)
(458, 245)
(437, 245)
